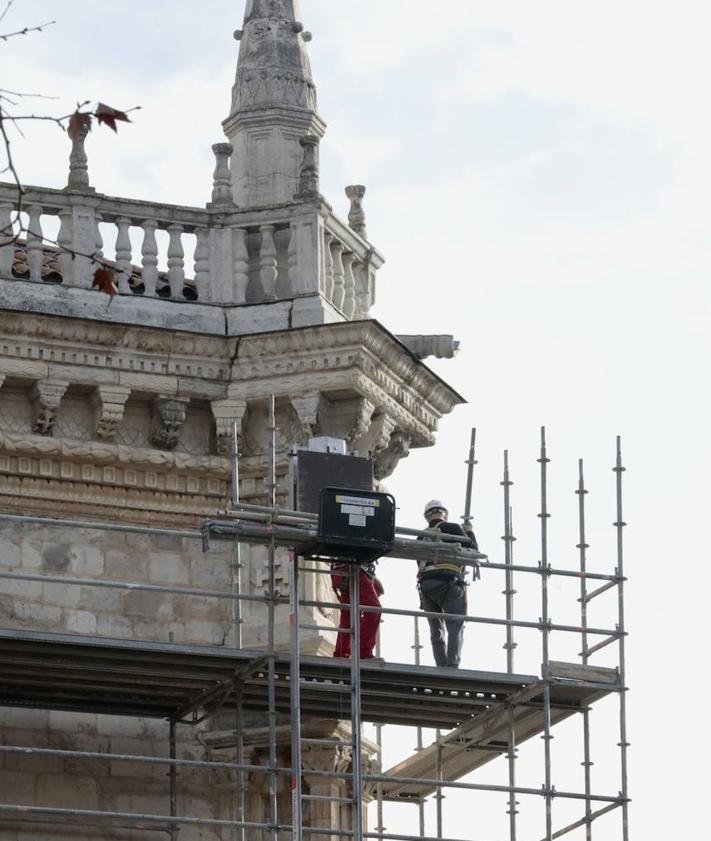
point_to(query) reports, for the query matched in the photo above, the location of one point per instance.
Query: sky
(539, 180)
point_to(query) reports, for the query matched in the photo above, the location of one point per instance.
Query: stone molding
(227, 412)
(307, 411)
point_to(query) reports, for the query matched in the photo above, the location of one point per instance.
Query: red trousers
(368, 621)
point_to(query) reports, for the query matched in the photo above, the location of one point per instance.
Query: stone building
(123, 414)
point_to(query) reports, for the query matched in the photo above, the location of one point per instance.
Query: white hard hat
(434, 505)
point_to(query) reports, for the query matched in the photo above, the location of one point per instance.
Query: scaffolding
(479, 716)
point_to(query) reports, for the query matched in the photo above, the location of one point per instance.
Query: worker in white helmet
(442, 589)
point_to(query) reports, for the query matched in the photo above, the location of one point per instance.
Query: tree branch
(27, 30)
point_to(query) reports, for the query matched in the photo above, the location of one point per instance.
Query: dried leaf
(105, 281)
(107, 115)
(79, 124)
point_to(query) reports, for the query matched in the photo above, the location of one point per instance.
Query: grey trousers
(440, 596)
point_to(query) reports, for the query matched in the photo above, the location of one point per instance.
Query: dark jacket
(440, 568)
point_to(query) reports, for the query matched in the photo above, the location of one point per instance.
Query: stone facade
(123, 415)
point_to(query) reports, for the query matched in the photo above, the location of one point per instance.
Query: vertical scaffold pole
(173, 779)
(379, 742)
(439, 797)
(417, 649)
(471, 462)
(295, 689)
(624, 744)
(582, 547)
(239, 832)
(545, 635)
(271, 616)
(357, 759)
(510, 645)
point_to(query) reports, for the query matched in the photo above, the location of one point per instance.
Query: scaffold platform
(167, 680)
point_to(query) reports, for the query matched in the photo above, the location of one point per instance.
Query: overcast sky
(539, 179)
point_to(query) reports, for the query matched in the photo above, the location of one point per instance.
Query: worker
(370, 589)
(442, 588)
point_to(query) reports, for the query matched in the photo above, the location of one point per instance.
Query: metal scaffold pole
(624, 744)
(582, 547)
(173, 782)
(417, 649)
(357, 757)
(545, 635)
(271, 616)
(295, 698)
(509, 645)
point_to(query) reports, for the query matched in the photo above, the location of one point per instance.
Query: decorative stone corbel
(381, 430)
(109, 403)
(361, 423)
(45, 398)
(387, 460)
(356, 215)
(168, 419)
(226, 412)
(306, 407)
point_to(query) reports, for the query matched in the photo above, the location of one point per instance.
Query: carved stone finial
(309, 175)
(221, 183)
(109, 403)
(79, 162)
(356, 215)
(45, 399)
(168, 419)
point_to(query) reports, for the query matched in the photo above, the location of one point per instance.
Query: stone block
(101, 599)
(23, 589)
(62, 595)
(18, 787)
(130, 565)
(67, 792)
(210, 573)
(88, 561)
(79, 621)
(142, 603)
(117, 627)
(204, 633)
(37, 615)
(72, 723)
(153, 383)
(31, 556)
(9, 554)
(164, 568)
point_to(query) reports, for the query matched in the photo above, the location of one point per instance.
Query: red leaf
(104, 280)
(78, 124)
(107, 115)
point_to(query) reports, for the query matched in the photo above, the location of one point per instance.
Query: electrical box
(357, 526)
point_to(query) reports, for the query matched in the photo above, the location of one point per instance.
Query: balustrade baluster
(349, 297)
(241, 264)
(202, 263)
(293, 259)
(35, 258)
(149, 254)
(65, 242)
(99, 248)
(176, 261)
(362, 291)
(123, 254)
(7, 250)
(328, 266)
(268, 262)
(339, 284)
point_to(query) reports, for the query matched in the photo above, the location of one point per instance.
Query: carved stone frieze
(109, 403)
(45, 399)
(168, 419)
(38, 446)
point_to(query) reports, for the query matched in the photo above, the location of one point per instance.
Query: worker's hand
(378, 584)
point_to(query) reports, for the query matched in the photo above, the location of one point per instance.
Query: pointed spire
(273, 67)
(273, 104)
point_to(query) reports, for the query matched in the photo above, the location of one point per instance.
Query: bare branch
(21, 94)
(27, 30)
(6, 10)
